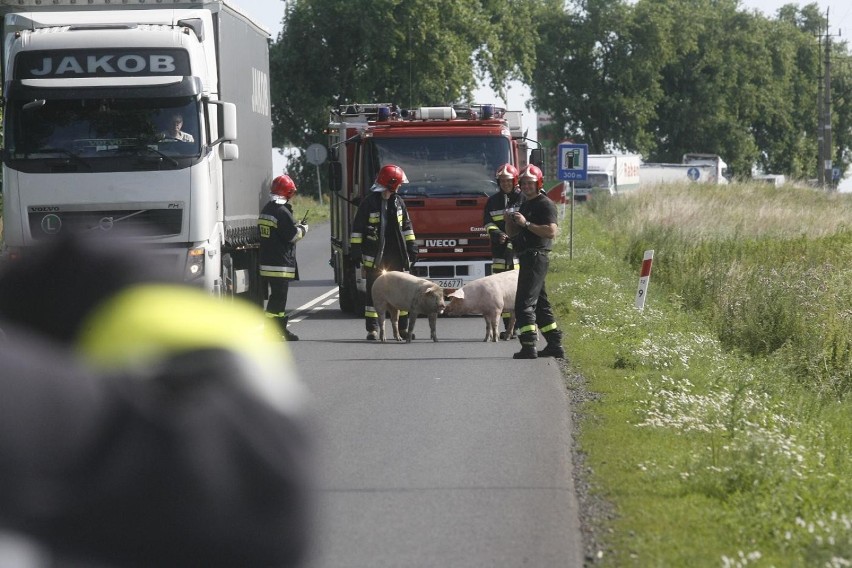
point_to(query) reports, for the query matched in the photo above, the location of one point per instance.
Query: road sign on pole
(573, 161)
(316, 155)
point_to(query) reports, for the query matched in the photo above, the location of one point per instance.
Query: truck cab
(93, 95)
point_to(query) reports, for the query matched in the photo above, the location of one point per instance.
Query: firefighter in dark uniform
(383, 238)
(532, 233)
(144, 422)
(502, 252)
(279, 233)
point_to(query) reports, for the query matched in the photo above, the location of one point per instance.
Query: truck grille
(121, 223)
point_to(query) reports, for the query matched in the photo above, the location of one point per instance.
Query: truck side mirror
(537, 157)
(226, 114)
(229, 152)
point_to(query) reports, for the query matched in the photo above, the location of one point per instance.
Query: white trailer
(720, 168)
(614, 174)
(696, 168)
(91, 89)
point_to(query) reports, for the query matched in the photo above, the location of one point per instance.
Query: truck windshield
(445, 166)
(593, 180)
(102, 134)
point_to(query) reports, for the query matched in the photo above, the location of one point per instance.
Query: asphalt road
(447, 454)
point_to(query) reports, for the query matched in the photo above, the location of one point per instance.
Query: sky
(270, 12)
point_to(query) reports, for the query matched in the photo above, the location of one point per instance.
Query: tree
(667, 77)
(407, 52)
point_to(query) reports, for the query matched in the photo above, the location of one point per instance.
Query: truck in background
(613, 174)
(699, 168)
(720, 168)
(90, 90)
(450, 156)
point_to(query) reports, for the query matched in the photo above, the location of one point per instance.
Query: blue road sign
(573, 161)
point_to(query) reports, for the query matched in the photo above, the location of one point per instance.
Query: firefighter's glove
(303, 227)
(497, 237)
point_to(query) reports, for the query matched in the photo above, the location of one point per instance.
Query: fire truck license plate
(448, 283)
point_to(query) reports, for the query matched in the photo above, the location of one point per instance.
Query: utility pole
(820, 118)
(825, 170)
(829, 178)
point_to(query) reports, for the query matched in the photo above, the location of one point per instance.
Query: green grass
(721, 433)
(305, 204)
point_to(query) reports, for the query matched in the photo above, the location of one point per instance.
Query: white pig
(395, 291)
(489, 296)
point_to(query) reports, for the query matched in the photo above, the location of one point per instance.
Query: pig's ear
(457, 294)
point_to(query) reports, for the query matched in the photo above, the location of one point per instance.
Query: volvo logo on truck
(102, 63)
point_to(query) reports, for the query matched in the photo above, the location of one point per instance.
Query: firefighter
(279, 233)
(502, 253)
(144, 422)
(532, 233)
(383, 239)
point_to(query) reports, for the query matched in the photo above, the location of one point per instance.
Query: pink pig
(489, 296)
(395, 291)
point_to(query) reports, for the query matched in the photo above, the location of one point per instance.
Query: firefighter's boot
(528, 341)
(554, 345)
(371, 322)
(286, 334)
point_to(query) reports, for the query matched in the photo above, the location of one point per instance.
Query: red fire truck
(450, 156)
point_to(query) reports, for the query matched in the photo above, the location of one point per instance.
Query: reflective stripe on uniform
(547, 328)
(531, 328)
(277, 271)
(356, 238)
(264, 219)
(148, 322)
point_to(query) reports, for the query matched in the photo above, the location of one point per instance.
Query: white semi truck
(92, 93)
(697, 168)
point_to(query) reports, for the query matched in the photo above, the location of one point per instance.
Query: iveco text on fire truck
(450, 156)
(92, 91)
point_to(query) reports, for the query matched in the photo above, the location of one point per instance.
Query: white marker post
(644, 277)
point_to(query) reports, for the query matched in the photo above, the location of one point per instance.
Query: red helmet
(507, 171)
(533, 172)
(283, 186)
(390, 177)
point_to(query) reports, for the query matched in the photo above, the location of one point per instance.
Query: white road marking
(306, 307)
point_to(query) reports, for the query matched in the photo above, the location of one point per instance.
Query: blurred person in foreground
(532, 231)
(279, 233)
(144, 422)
